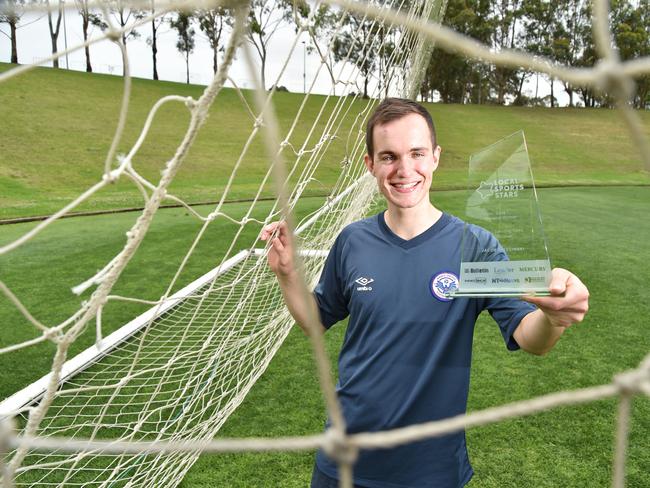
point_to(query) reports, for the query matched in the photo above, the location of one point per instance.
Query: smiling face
(404, 161)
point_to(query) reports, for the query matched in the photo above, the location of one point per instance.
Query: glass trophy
(501, 198)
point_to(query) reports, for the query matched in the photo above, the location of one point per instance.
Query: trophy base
(499, 293)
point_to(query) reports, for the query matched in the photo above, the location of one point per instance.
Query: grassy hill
(58, 126)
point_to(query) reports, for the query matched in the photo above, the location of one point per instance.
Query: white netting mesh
(158, 394)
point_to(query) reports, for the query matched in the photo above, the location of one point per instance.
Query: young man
(407, 349)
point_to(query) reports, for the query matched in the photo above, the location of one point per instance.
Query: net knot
(635, 381)
(259, 122)
(612, 79)
(53, 335)
(113, 35)
(7, 431)
(338, 447)
(112, 176)
(304, 25)
(644, 371)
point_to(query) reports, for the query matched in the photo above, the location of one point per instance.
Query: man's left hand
(569, 300)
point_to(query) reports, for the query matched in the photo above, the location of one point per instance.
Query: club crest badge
(442, 284)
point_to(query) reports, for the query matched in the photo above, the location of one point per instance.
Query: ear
(367, 159)
(436, 157)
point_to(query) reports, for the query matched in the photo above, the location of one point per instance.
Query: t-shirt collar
(415, 241)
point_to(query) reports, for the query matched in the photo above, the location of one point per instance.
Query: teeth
(406, 185)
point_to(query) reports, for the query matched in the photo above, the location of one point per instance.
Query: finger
(576, 294)
(285, 234)
(568, 304)
(279, 227)
(270, 227)
(283, 253)
(542, 302)
(546, 303)
(285, 238)
(267, 230)
(283, 228)
(277, 245)
(559, 280)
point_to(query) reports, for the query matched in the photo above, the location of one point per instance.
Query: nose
(404, 166)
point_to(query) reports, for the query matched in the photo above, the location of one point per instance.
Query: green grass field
(600, 232)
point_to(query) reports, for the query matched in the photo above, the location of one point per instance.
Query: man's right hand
(280, 256)
(302, 306)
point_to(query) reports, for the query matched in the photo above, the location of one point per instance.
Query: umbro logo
(364, 282)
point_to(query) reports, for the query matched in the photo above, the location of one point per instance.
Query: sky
(34, 44)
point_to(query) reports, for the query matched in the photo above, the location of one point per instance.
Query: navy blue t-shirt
(407, 350)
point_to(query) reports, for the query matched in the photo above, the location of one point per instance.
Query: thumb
(559, 280)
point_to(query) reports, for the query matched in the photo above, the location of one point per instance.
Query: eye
(387, 158)
(418, 154)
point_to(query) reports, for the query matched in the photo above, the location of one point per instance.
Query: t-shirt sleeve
(331, 301)
(507, 312)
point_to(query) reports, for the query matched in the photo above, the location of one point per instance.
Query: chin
(404, 203)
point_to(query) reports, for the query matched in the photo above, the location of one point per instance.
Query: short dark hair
(392, 109)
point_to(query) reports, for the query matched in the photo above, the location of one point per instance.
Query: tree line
(263, 23)
(265, 19)
(559, 30)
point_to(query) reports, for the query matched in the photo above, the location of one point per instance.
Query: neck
(411, 222)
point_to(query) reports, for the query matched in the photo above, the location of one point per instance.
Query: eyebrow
(382, 153)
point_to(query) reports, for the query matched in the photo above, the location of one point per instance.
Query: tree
(572, 20)
(88, 19)
(385, 57)
(630, 22)
(124, 16)
(443, 68)
(212, 22)
(456, 78)
(539, 37)
(631, 29)
(185, 43)
(54, 31)
(153, 40)
(357, 44)
(264, 20)
(504, 18)
(587, 58)
(11, 15)
(321, 33)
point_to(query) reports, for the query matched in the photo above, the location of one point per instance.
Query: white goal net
(138, 407)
